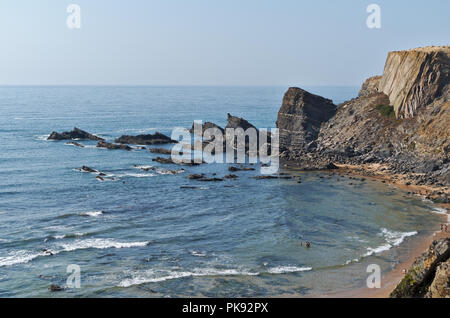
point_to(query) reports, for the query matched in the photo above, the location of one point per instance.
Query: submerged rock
(88, 169)
(56, 288)
(196, 176)
(265, 177)
(241, 168)
(170, 161)
(110, 146)
(162, 151)
(76, 133)
(150, 139)
(210, 179)
(163, 160)
(76, 144)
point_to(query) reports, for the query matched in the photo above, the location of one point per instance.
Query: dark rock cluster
(76, 133)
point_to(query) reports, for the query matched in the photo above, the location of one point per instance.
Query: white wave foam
(135, 175)
(18, 257)
(159, 170)
(22, 257)
(439, 210)
(42, 137)
(92, 213)
(352, 261)
(98, 243)
(154, 276)
(377, 250)
(287, 269)
(396, 238)
(60, 237)
(393, 238)
(198, 254)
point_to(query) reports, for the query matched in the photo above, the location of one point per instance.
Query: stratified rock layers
(414, 78)
(300, 118)
(401, 119)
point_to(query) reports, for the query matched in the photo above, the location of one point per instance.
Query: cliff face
(370, 86)
(300, 118)
(401, 119)
(414, 78)
(429, 275)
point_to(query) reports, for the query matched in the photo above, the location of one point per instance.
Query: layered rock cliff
(414, 78)
(429, 275)
(401, 119)
(300, 118)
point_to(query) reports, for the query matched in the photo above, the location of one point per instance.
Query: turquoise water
(141, 235)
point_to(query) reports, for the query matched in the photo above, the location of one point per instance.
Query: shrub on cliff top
(386, 110)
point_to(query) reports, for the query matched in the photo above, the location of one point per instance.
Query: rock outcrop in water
(110, 146)
(150, 139)
(238, 122)
(400, 119)
(205, 126)
(300, 118)
(76, 133)
(429, 275)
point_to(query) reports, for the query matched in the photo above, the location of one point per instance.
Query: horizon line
(168, 85)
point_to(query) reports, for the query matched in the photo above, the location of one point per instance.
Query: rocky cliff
(429, 275)
(400, 119)
(300, 118)
(414, 78)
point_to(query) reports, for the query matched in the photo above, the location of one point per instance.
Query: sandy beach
(390, 280)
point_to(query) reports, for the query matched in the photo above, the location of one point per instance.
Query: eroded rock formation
(412, 79)
(429, 275)
(300, 118)
(150, 139)
(76, 133)
(401, 119)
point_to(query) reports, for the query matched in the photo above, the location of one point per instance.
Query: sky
(210, 42)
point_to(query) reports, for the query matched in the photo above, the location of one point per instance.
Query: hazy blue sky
(210, 42)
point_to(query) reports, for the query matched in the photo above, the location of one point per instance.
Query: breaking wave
(393, 238)
(155, 276)
(23, 256)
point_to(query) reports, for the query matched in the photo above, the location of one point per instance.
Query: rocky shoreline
(429, 275)
(396, 130)
(400, 122)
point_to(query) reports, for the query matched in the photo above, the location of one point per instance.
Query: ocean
(157, 234)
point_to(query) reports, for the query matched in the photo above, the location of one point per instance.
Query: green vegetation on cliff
(386, 110)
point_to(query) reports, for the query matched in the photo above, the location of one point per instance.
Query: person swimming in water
(307, 244)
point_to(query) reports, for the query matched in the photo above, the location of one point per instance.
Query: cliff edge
(400, 120)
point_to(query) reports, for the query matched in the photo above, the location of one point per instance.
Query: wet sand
(391, 279)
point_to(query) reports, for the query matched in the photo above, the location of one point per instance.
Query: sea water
(157, 234)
